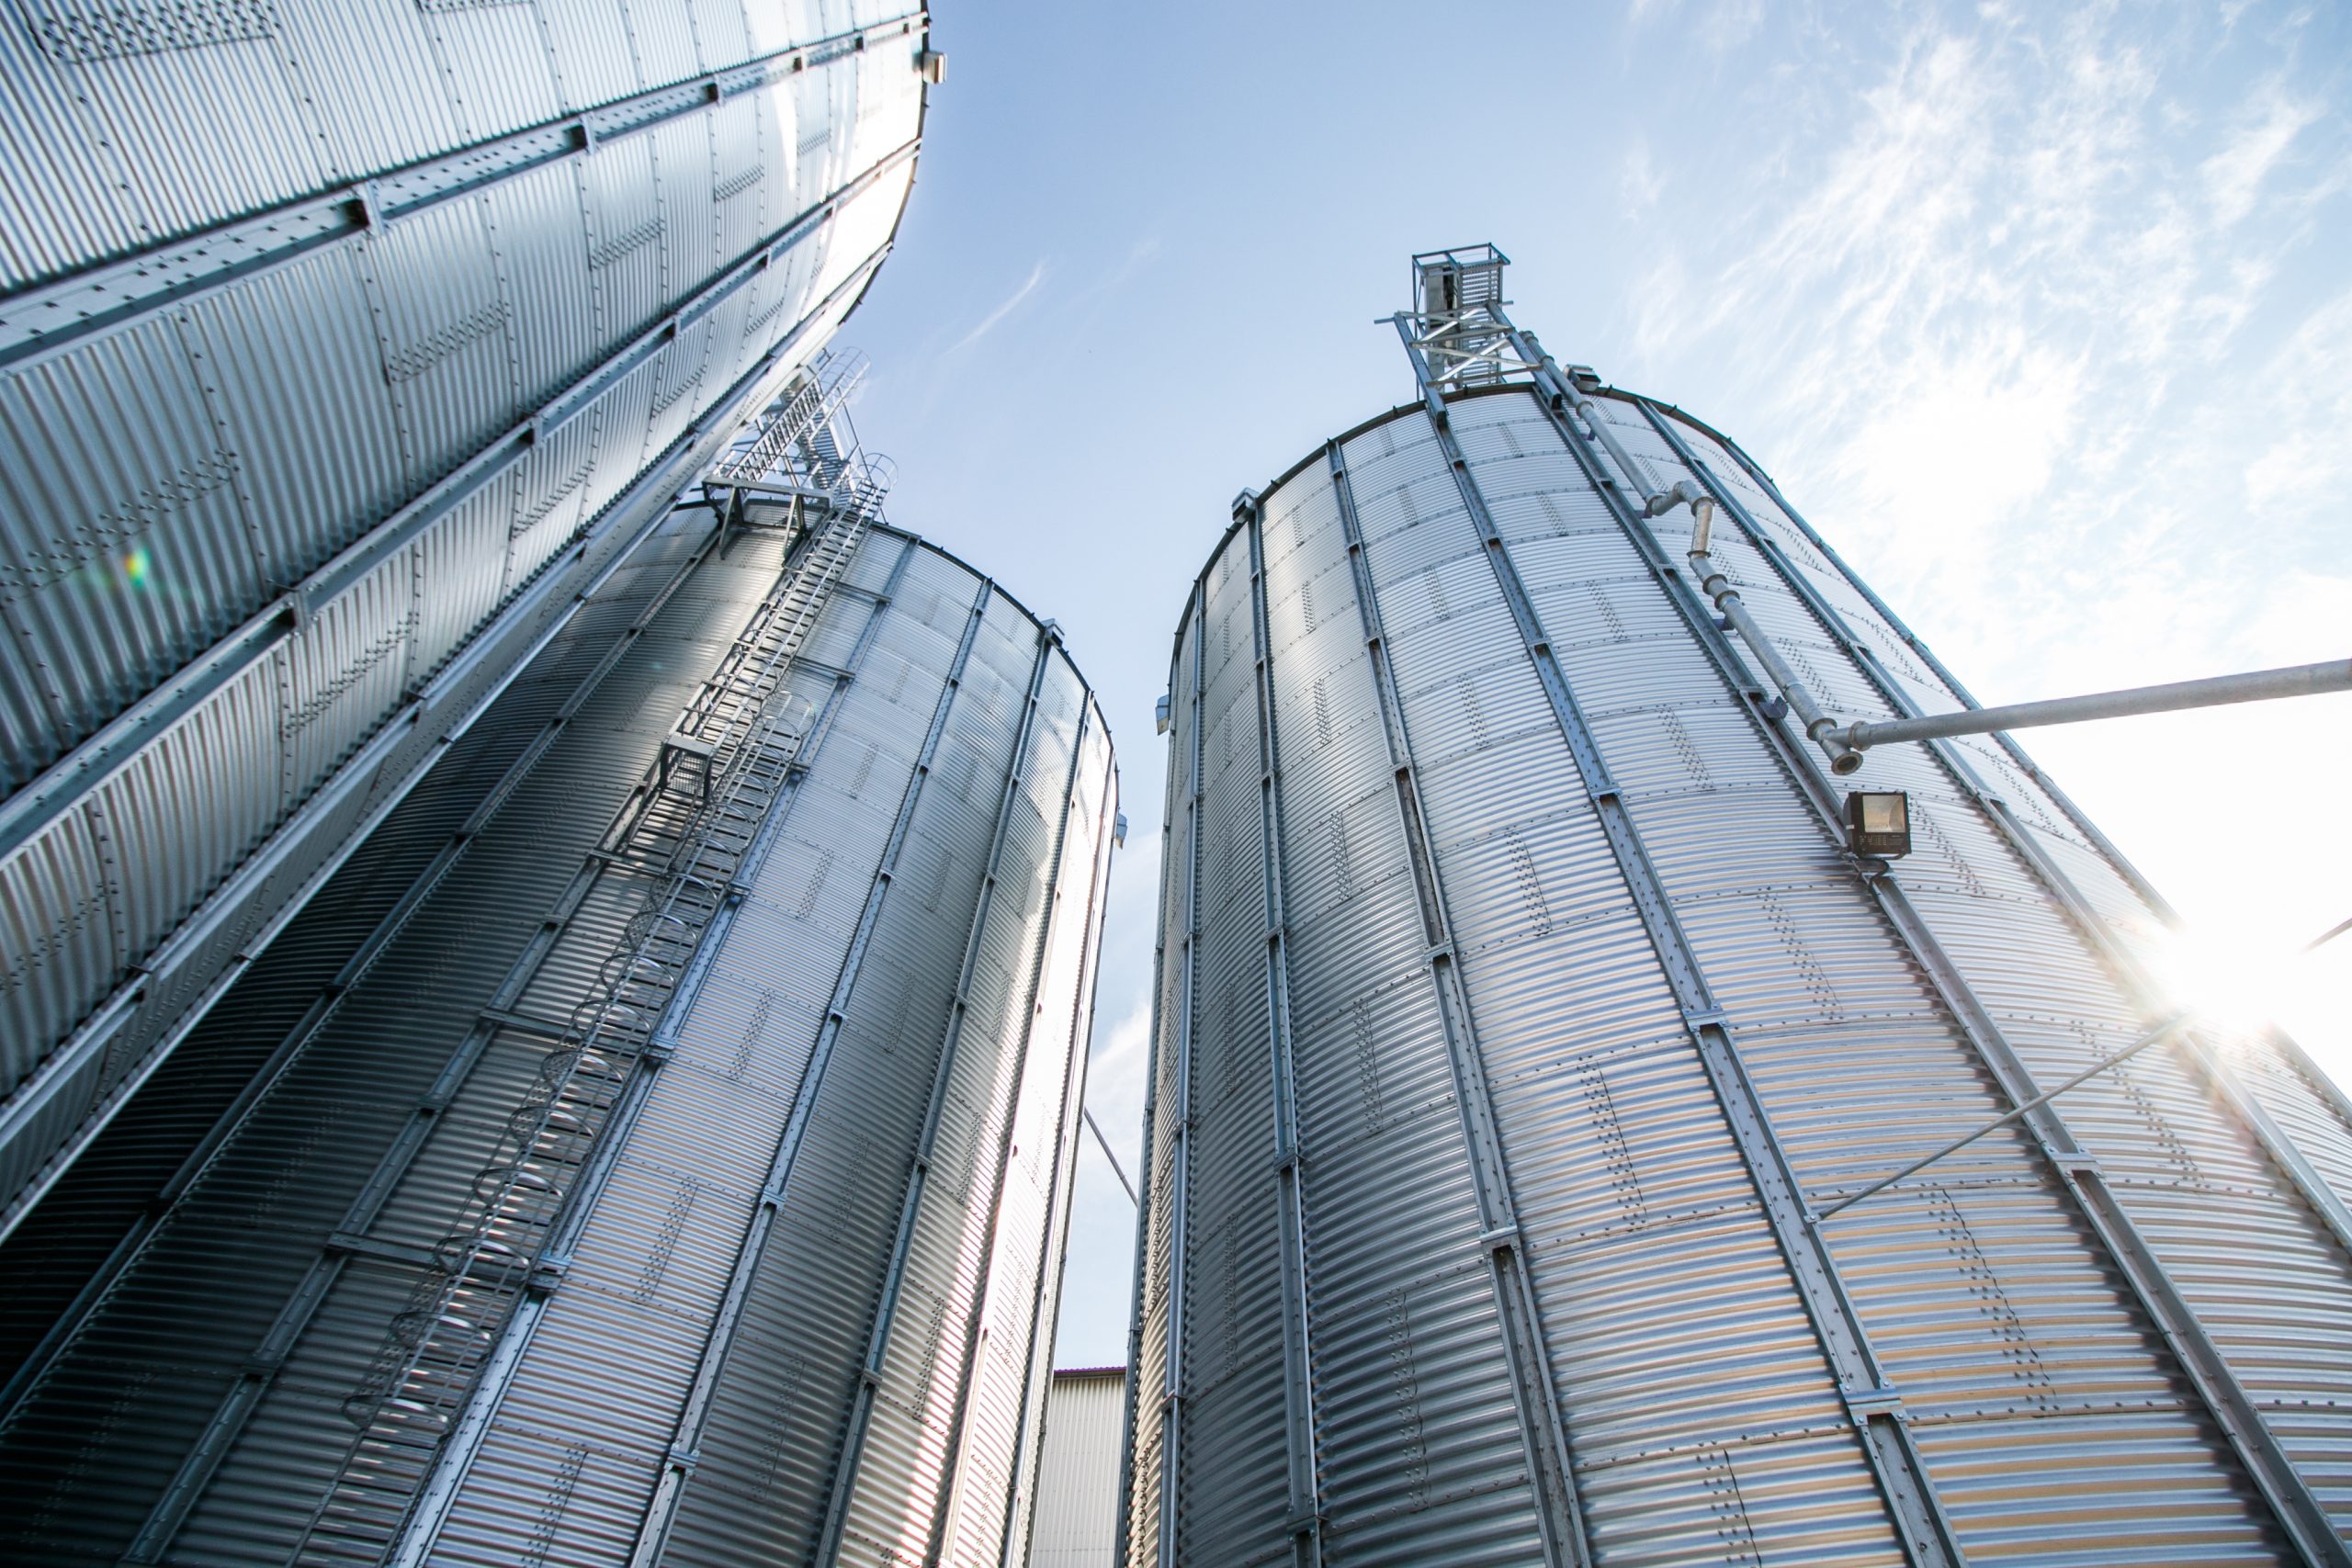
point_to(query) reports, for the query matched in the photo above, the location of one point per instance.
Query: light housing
(1878, 822)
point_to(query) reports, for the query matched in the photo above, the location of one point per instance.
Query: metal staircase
(687, 832)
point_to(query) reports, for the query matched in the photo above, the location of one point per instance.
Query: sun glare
(2245, 979)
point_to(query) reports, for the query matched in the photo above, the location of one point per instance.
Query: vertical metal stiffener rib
(1875, 1408)
(1171, 1419)
(1021, 1480)
(951, 1502)
(2224, 1399)
(1534, 1389)
(1298, 1385)
(1148, 1215)
(877, 1344)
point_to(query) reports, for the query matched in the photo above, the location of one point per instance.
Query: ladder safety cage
(726, 764)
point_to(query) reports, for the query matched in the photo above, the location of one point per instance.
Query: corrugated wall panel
(272, 417)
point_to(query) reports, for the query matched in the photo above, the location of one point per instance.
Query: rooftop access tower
(1536, 1028)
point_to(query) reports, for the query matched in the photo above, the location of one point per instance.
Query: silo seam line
(1147, 1210)
(1172, 1429)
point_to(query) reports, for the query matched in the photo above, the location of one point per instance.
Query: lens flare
(135, 568)
(2242, 979)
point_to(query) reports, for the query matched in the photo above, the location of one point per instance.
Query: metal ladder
(703, 805)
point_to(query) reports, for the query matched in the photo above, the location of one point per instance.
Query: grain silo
(1533, 1032)
(343, 345)
(655, 1143)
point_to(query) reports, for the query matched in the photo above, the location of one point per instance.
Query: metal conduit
(1300, 1444)
(1543, 1427)
(1873, 1406)
(1818, 727)
(2159, 1299)
(2260, 685)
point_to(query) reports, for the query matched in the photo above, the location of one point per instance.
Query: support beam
(1301, 1434)
(1104, 1144)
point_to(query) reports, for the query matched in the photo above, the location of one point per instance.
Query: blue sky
(2043, 315)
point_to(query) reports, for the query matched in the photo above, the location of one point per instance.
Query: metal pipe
(1105, 1145)
(1653, 502)
(1819, 727)
(2259, 685)
(1995, 1125)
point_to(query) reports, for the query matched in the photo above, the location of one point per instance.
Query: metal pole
(1995, 1125)
(1105, 1145)
(2260, 685)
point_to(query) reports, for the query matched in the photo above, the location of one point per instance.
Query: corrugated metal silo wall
(1532, 1231)
(854, 1158)
(1077, 1481)
(311, 383)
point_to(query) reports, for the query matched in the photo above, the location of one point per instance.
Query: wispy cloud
(1638, 181)
(2016, 317)
(1029, 286)
(2234, 177)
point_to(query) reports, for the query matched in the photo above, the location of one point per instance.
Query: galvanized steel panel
(402, 349)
